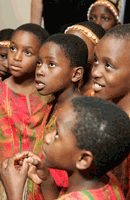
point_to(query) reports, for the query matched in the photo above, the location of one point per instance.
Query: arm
(36, 11)
(13, 179)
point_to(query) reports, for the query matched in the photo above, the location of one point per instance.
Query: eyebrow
(24, 46)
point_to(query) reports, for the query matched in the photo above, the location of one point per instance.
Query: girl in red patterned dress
(21, 107)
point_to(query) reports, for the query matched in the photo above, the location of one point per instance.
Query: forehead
(4, 49)
(101, 9)
(24, 36)
(52, 49)
(113, 48)
(67, 115)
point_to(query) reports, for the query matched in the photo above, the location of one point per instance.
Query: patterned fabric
(19, 130)
(110, 191)
(90, 93)
(60, 176)
(122, 171)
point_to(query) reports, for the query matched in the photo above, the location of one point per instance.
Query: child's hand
(14, 180)
(38, 172)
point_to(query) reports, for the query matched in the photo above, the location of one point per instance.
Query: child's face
(23, 52)
(102, 16)
(53, 71)
(3, 61)
(111, 68)
(60, 149)
(89, 43)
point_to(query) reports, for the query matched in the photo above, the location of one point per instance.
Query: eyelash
(3, 56)
(51, 64)
(56, 135)
(13, 49)
(108, 65)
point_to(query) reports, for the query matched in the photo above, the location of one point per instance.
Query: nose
(5, 63)
(49, 137)
(96, 71)
(98, 21)
(18, 56)
(41, 70)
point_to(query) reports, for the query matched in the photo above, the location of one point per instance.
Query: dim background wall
(13, 13)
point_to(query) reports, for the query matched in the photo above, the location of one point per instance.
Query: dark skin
(87, 85)
(54, 67)
(78, 167)
(103, 16)
(22, 58)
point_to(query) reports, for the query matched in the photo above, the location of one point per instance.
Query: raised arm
(36, 11)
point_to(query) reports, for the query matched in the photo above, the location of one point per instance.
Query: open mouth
(39, 85)
(97, 87)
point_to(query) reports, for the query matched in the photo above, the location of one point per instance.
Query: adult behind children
(58, 14)
(91, 138)
(60, 67)
(5, 35)
(21, 107)
(91, 33)
(104, 13)
(111, 80)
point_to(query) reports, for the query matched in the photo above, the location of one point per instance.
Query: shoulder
(124, 103)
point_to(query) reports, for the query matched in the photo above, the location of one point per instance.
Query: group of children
(69, 142)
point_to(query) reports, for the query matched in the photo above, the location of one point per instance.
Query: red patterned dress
(19, 130)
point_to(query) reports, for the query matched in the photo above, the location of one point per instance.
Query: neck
(21, 85)
(66, 95)
(81, 182)
(24, 80)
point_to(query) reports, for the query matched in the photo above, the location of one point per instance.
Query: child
(91, 33)
(111, 79)
(60, 67)
(104, 13)
(5, 36)
(91, 137)
(21, 107)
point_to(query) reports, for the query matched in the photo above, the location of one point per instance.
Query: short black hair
(102, 128)
(97, 29)
(37, 30)
(5, 34)
(121, 31)
(74, 48)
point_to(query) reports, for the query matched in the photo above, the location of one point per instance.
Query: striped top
(110, 191)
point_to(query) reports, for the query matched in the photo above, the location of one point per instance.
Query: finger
(4, 164)
(26, 154)
(36, 162)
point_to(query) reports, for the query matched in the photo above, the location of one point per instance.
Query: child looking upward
(5, 36)
(21, 107)
(91, 33)
(104, 13)
(61, 63)
(91, 138)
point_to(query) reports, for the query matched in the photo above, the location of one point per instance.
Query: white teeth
(97, 85)
(40, 84)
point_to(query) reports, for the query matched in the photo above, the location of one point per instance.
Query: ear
(85, 160)
(77, 74)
